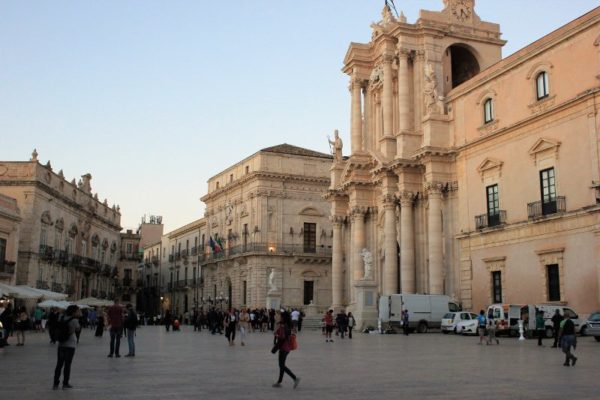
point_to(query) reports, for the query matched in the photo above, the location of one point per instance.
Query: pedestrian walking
(405, 321)
(481, 322)
(342, 323)
(328, 320)
(491, 328)
(115, 320)
(283, 347)
(351, 324)
(167, 320)
(52, 324)
(6, 318)
(568, 340)
(556, 320)
(244, 324)
(131, 322)
(22, 324)
(540, 326)
(66, 348)
(229, 323)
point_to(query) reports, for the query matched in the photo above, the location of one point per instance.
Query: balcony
(267, 249)
(7, 267)
(154, 260)
(490, 220)
(62, 257)
(42, 285)
(540, 209)
(46, 253)
(194, 251)
(127, 282)
(171, 257)
(130, 256)
(57, 287)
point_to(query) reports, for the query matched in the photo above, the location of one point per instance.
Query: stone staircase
(312, 323)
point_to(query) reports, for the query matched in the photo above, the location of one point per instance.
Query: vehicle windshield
(449, 316)
(594, 317)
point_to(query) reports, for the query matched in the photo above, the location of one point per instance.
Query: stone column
(358, 242)
(390, 266)
(356, 112)
(403, 90)
(407, 243)
(388, 142)
(337, 284)
(367, 124)
(434, 228)
(386, 98)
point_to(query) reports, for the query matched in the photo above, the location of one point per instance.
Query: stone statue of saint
(337, 146)
(368, 263)
(272, 286)
(433, 102)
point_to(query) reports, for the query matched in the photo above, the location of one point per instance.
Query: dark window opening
(310, 238)
(464, 65)
(548, 191)
(497, 287)
(493, 205)
(553, 282)
(309, 287)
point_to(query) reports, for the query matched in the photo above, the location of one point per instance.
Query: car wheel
(549, 332)
(422, 327)
(583, 331)
(597, 338)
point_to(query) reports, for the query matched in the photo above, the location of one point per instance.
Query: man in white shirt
(295, 317)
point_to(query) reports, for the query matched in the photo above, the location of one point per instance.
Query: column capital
(359, 211)
(388, 201)
(434, 188)
(337, 220)
(403, 51)
(419, 55)
(387, 58)
(406, 198)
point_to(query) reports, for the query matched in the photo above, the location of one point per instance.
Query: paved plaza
(186, 365)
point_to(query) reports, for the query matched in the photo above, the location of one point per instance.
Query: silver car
(592, 326)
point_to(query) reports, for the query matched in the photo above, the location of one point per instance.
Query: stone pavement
(188, 365)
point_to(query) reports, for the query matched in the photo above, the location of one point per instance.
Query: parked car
(592, 326)
(452, 319)
(468, 327)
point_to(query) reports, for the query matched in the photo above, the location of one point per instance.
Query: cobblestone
(186, 365)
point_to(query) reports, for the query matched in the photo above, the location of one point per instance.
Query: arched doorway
(460, 65)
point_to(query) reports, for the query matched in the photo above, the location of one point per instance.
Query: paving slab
(191, 365)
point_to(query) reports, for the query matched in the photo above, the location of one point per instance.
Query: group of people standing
(341, 324)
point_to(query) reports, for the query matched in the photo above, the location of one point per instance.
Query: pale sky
(154, 97)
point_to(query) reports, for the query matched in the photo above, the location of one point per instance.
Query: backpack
(62, 330)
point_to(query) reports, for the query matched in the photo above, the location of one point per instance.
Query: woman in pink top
(282, 340)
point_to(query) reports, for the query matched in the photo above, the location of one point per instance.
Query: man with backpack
(131, 322)
(67, 327)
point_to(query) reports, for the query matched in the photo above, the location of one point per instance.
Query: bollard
(521, 331)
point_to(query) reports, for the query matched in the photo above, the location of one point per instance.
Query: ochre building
(469, 174)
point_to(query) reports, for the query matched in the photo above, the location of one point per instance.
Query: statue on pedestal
(368, 263)
(337, 145)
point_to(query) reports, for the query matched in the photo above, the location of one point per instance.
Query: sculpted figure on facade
(368, 263)
(433, 101)
(272, 285)
(336, 145)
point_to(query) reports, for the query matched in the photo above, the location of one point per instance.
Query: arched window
(488, 111)
(541, 85)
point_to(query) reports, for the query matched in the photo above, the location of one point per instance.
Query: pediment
(311, 212)
(543, 145)
(489, 164)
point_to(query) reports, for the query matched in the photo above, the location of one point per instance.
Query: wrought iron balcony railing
(268, 249)
(490, 220)
(538, 209)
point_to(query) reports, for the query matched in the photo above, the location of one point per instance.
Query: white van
(425, 311)
(507, 317)
(550, 309)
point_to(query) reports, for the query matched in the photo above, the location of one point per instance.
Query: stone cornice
(66, 200)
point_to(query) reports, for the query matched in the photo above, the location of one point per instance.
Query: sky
(155, 97)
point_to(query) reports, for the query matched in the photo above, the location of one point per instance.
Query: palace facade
(68, 238)
(469, 175)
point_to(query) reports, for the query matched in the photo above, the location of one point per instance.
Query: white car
(452, 319)
(468, 327)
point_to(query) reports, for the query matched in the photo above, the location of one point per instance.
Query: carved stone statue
(272, 285)
(368, 263)
(337, 146)
(433, 102)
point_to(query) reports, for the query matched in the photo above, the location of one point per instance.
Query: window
(541, 85)
(488, 111)
(548, 191)
(230, 178)
(245, 235)
(493, 205)
(247, 169)
(217, 185)
(309, 287)
(496, 287)
(245, 292)
(553, 282)
(129, 248)
(310, 238)
(43, 237)
(2, 250)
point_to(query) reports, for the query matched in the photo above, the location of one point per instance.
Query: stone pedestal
(274, 299)
(365, 308)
